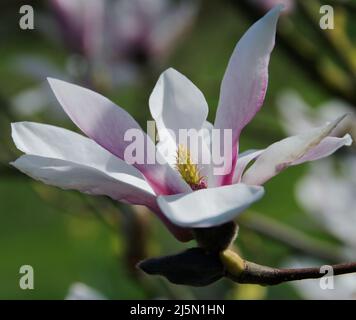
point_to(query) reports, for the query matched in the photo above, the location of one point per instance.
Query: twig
(291, 237)
(349, 5)
(332, 43)
(135, 228)
(243, 271)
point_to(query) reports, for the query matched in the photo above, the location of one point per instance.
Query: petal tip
(16, 131)
(348, 140)
(170, 69)
(13, 126)
(55, 83)
(276, 10)
(280, 7)
(51, 80)
(259, 191)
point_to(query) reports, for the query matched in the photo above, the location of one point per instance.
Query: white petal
(284, 153)
(325, 148)
(209, 207)
(244, 85)
(74, 176)
(176, 103)
(244, 159)
(168, 149)
(207, 133)
(58, 143)
(106, 123)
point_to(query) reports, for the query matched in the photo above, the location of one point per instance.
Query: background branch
(290, 237)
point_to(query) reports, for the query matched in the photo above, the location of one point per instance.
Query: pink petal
(106, 123)
(291, 150)
(325, 148)
(244, 85)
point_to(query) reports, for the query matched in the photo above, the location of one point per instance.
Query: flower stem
(290, 237)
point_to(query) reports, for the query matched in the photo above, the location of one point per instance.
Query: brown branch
(136, 229)
(348, 5)
(243, 271)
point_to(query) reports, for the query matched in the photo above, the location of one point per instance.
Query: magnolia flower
(181, 195)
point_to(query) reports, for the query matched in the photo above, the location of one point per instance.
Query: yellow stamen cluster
(187, 169)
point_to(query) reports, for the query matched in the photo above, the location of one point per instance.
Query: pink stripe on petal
(325, 148)
(292, 150)
(244, 85)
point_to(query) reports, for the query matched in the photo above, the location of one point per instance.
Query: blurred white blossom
(81, 291)
(327, 191)
(298, 116)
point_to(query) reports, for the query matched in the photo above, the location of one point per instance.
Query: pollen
(188, 170)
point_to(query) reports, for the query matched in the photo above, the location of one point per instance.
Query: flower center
(188, 170)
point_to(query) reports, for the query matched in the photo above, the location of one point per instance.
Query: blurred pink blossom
(266, 5)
